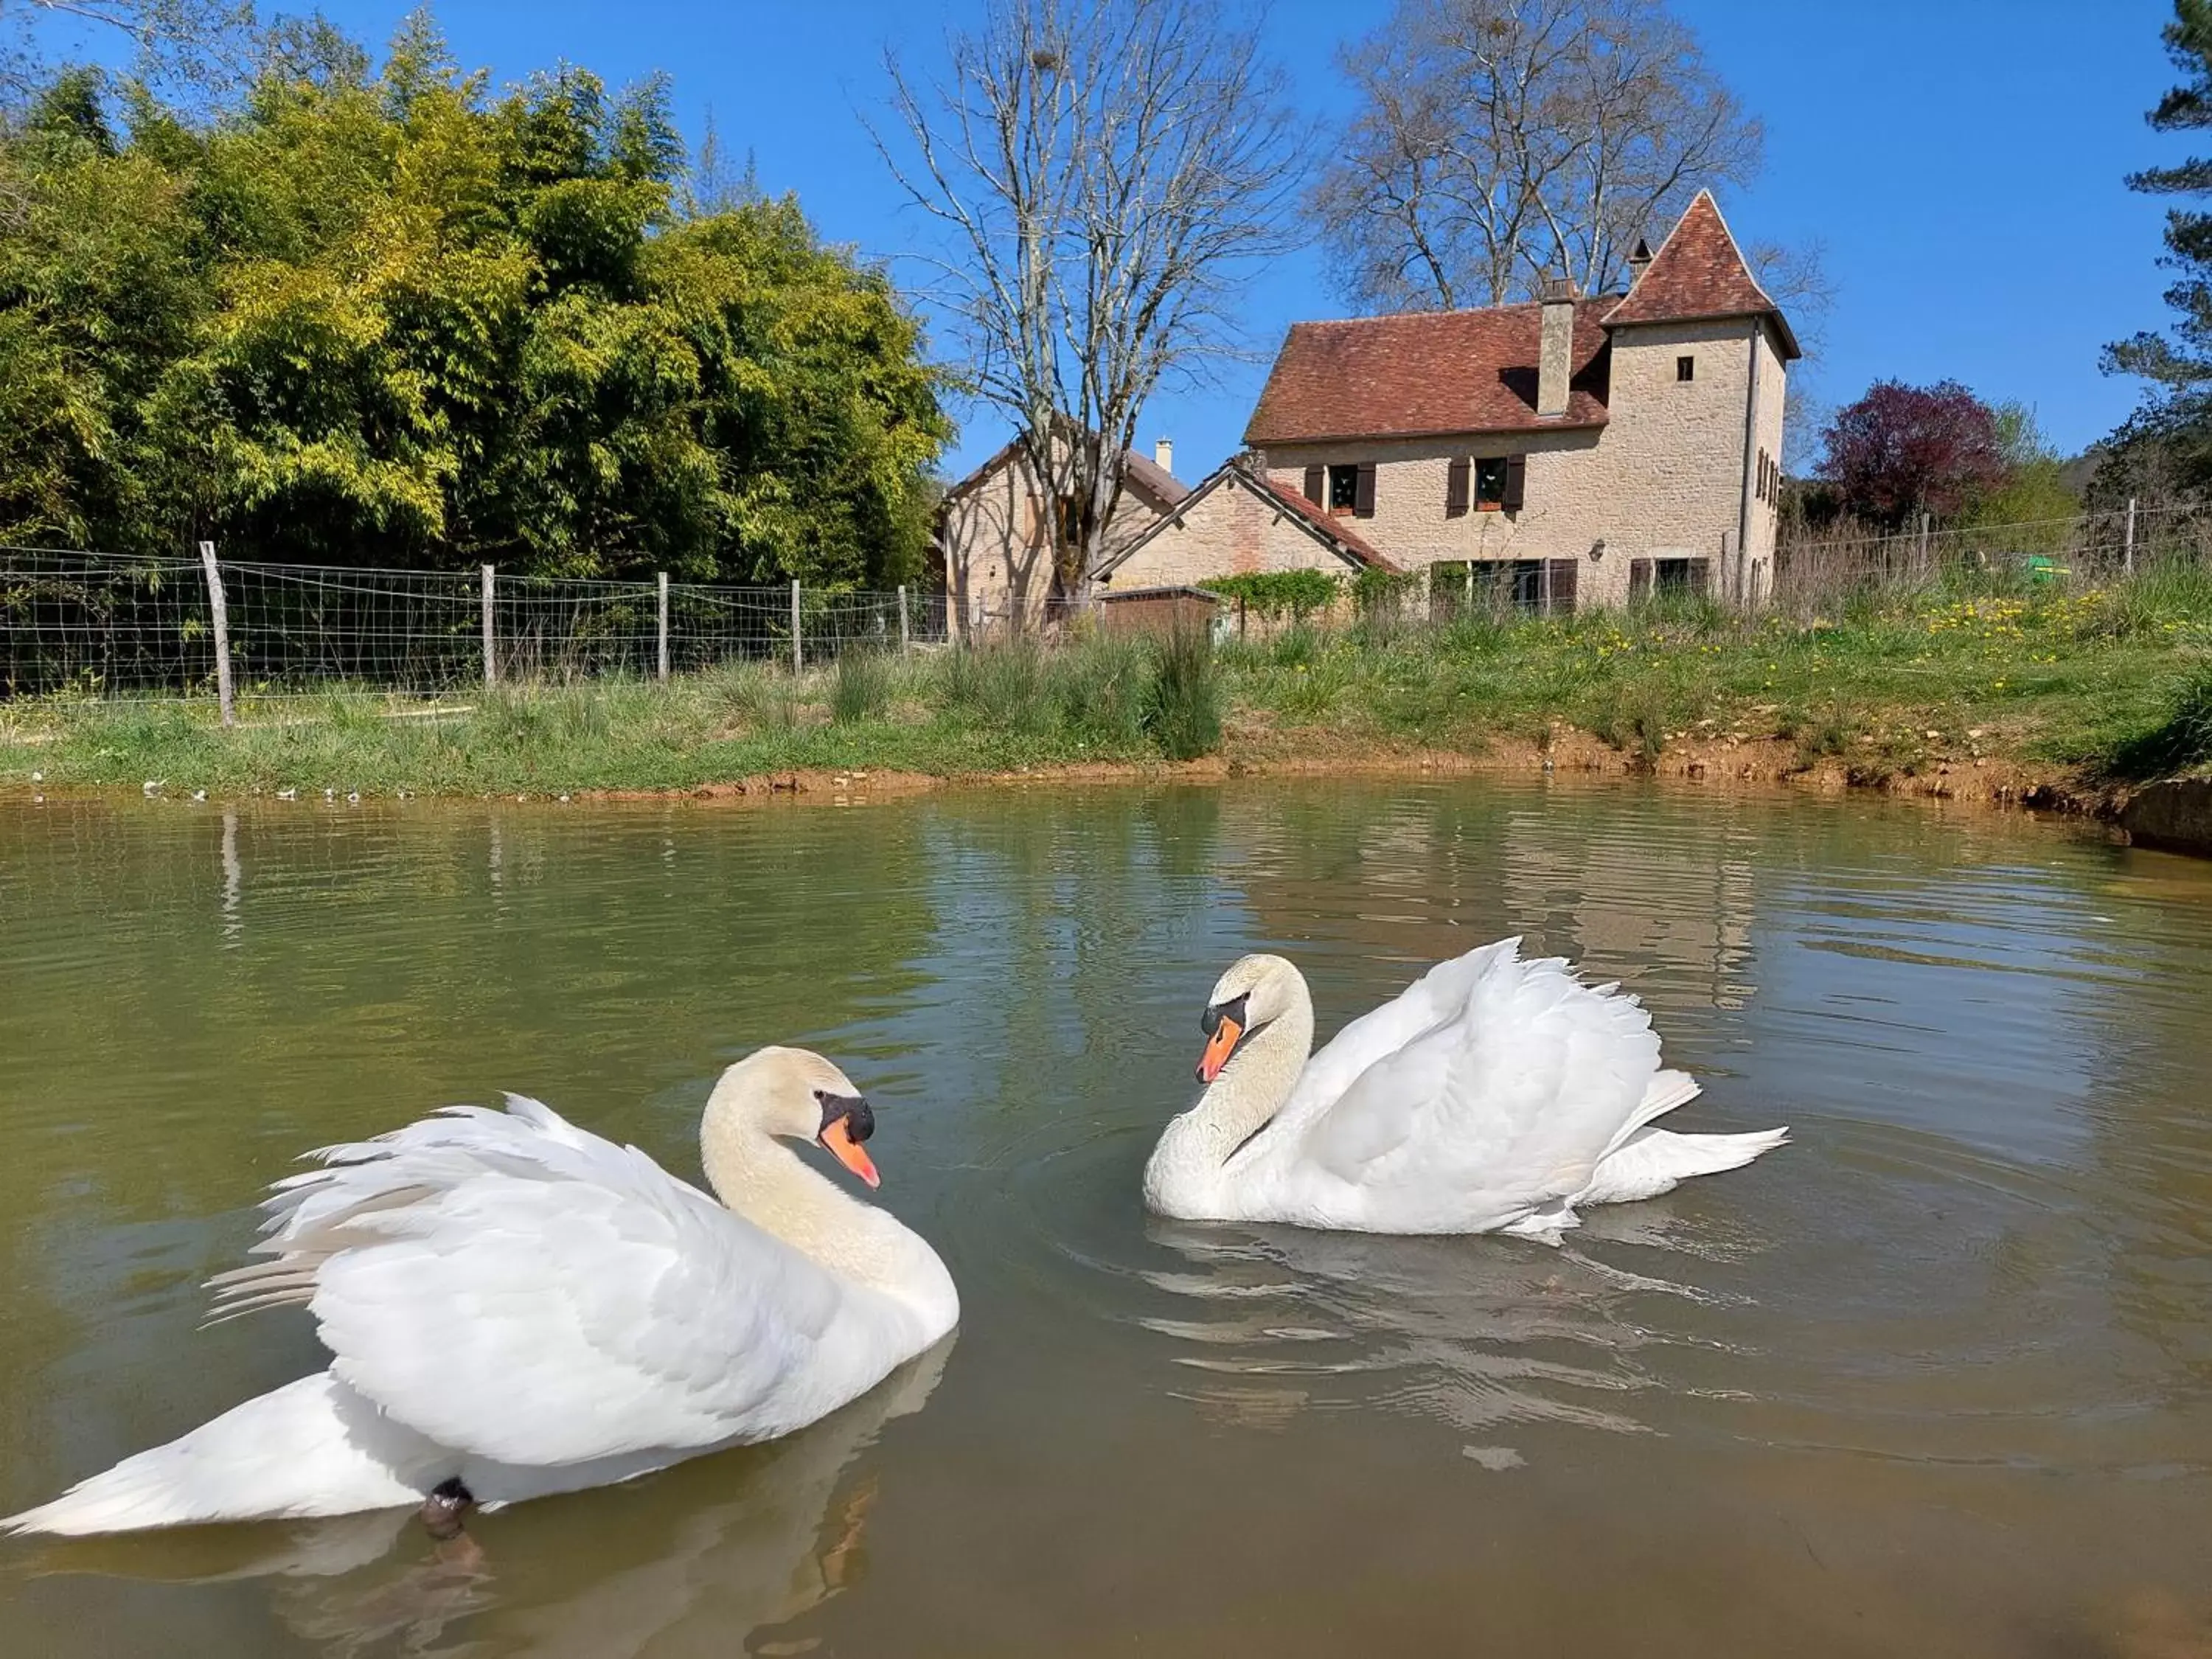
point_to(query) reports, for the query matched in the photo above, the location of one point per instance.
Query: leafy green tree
(373, 317)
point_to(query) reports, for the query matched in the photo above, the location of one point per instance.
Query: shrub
(1267, 594)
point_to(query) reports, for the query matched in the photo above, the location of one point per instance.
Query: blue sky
(1961, 162)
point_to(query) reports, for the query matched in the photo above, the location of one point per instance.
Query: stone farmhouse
(992, 548)
(1569, 451)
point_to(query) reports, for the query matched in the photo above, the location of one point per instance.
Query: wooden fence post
(797, 657)
(2128, 548)
(663, 626)
(490, 641)
(220, 617)
(1924, 543)
(906, 641)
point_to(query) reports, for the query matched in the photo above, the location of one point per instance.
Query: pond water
(1936, 1378)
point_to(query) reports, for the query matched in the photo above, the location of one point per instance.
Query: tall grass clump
(1098, 688)
(1183, 712)
(859, 686)
(996, 685)
(755, 695)
(2181, 742)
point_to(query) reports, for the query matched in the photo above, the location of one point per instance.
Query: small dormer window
(1686, 369)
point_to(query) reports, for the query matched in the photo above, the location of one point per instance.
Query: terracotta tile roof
(1426, 373)
(1327, 524)
(1146, 474)
(1325, 528)
(1699, 271)
(1162, 485)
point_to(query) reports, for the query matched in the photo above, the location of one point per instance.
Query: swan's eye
(1210, 1021)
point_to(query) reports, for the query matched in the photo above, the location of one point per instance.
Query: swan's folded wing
(1490, 1113)
(1437, 995)
(517, 1289)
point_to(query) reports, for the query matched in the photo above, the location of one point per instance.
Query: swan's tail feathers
(311, 1447)
(1655, 1161)
(1666, 1091)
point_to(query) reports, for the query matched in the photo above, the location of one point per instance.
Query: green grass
(2110, 683)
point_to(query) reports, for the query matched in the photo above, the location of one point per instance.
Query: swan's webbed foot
(446, 1507)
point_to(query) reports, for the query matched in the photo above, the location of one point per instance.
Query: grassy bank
(949, 712)
(2097, 685)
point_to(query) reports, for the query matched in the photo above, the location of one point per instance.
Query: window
(1686, 369)
(1071, 521)
(1534, 585)
(1674, 577)
(1343, 489)
(1490, 482)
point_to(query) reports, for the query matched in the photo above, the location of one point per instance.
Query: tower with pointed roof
(1566, 452)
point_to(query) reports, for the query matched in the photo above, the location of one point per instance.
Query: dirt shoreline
(2177, 815)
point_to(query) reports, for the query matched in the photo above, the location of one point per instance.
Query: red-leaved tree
(1904, 449)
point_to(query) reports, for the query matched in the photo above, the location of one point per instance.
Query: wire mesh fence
(106, 625)
(1814, 569)
(101, 625)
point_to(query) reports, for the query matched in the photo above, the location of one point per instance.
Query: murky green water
(1937, 1379)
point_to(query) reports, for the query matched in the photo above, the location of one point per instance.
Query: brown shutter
(1562, 587)
(1516, 482)
(1455, 488)
(1317, 481)
(1363, 500)
(1701, 576)
(1639, 578)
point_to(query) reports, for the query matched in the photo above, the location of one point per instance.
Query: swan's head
(1254, 992)
(796, 1095)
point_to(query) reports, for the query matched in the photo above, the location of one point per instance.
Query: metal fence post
(221, 618)
(797, 657)
(905, 639)
(2128, 547)
(491, 643)
(663, 626)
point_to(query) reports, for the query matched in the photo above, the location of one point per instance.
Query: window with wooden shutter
(1455, 482)
(1516, 481)
(1317, 480)
(1639, 579)
(1362, 502)
(1490, 482)
(1559, 600)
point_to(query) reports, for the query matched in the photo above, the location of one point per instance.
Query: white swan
(1494, 1095)
(515, 1307)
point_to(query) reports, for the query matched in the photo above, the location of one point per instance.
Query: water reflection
(1937, 1378)
(693, 1560)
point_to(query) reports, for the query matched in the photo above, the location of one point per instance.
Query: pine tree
(2171, 435)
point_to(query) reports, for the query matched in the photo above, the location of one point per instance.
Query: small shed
(1156, 610)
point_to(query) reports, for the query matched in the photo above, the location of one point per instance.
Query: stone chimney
(1163, 454)
(1555, 362)
(1638, 260)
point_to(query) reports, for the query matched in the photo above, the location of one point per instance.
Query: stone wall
(1230, 532)
(996, 543)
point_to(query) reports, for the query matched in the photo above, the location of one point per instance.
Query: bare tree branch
(1104, 177)
(1500, 141)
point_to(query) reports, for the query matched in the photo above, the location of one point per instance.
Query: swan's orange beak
(838, 1140)
(1218, 1048)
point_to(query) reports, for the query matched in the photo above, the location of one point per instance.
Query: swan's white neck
(772, 1186)
(1184, 1177)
